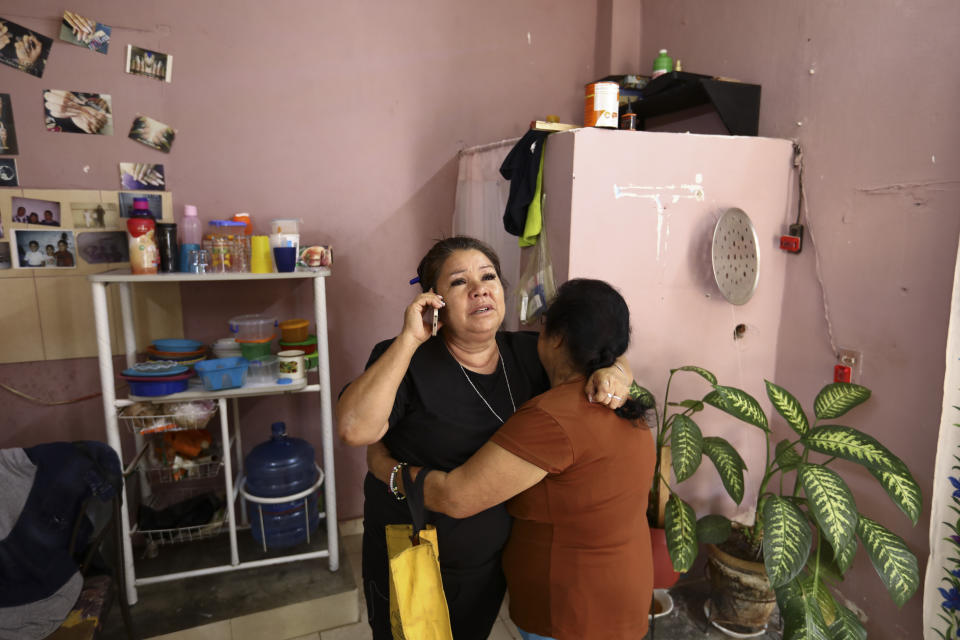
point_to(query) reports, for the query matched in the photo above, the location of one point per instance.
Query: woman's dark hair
(594, 321)
(429, 269)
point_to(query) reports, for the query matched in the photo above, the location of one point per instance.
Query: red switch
(841, 373)
(790, 243)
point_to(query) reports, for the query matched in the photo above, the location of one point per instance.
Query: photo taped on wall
(43, 249)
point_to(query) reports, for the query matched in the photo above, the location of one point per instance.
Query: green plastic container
(662, 64)
(312, 361)
(254, 350)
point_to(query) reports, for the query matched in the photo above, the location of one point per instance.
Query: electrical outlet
(851, 358)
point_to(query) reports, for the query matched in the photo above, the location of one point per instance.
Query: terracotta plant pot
(740, 596)
(664, 576)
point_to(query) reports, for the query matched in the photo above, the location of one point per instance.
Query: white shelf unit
(123, 279)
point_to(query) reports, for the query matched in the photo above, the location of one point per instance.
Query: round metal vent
(735, 258)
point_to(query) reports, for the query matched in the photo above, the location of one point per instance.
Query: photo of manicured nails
(137, 175)
(84, 32)
(152, 64)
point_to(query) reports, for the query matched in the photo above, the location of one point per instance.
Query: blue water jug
(282, 466)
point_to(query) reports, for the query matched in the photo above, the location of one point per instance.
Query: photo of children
(23, 49)
(99, 247)
(136, 175)
(8, 173)
(84, 32)
(45, 212)
(78, 112)
(152, 133)
(8, 134)
(152, 64)
(153, 201)
(5, 262)
(94, 215)
(44, 249)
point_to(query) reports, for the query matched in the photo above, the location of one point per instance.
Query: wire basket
(177, 535)
(164, 420)
(184, 470)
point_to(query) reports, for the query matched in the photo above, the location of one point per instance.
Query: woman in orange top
(578, 561)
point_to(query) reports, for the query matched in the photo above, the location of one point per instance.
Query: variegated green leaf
(686, 443)
(850, 444)
(892, 559)
(695, 405)
(823, 565)
(822, 597)
(788, 407)
(729, 465)
(713, 529)
(680, 527)
(831, 503)
(836, 399)
(902, 489)
(739, 404)
(847, 626)
(786, 540)
(712, 379)
(787, 456)
(800, 613)
(844, 557)
(642, 395)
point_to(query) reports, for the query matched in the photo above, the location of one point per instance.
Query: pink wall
(658, 253)
(349, 115)
(867, 88)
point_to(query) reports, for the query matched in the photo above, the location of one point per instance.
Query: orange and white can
(602, 105)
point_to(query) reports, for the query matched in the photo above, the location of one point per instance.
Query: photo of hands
(84, 32)
(76, 112)
(136, 175)
(152, 133)
(152, 64)
(23, 49)
(8, 135)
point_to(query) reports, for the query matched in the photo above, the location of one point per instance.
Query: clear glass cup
(199, 261)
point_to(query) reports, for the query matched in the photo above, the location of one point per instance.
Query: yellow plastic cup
(261, 256)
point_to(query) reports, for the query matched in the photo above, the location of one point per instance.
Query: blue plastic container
(282, 466)
(148, 388)
(222, 373)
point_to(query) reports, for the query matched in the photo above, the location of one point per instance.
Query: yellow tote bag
(418, 607)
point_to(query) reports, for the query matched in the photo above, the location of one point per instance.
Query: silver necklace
(474, 387)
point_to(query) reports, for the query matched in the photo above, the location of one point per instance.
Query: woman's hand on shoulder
(418, 316)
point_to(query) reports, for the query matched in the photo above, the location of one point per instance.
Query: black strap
(413, 489)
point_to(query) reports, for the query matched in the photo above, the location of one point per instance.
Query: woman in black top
(433, 401)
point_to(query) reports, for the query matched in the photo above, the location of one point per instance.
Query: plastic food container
(222, 373)
(254, 350)
(263, 370)
(294, 330)
(312, 361)
(308, 346)
(253, 328)
(221, 241)
(226, 348)
(157, 386)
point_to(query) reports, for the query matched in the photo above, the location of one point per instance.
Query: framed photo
(23, 49)
(43, 249)
(31, 211)
(78, 112)
(152, 64)
(8, 173)
(103, 247)
(8, 134)
(153, 201)
(137, 175)
(152, 133)
(84, 32)
(95, 215)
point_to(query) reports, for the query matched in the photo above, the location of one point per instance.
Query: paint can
(602, 105)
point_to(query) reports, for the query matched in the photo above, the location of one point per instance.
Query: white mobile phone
(436, 319)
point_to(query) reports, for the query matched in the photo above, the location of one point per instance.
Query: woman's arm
(492, 475)
(364, 407)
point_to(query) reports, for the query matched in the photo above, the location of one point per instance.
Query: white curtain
(941, 609)
(481, 199)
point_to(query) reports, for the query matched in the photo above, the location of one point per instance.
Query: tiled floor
(350, 540)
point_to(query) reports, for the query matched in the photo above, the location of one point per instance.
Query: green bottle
(663, 64)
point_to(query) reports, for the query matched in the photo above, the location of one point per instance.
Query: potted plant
(679, 445)
(807, 527)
